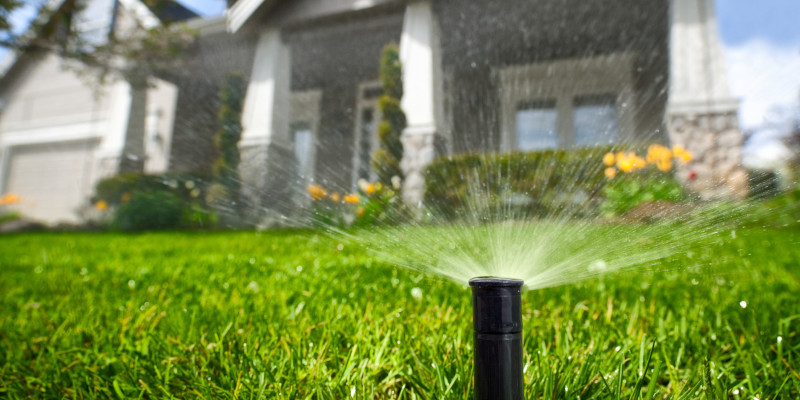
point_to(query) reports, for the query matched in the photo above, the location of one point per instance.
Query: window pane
(595, 121)
(365, 144)
(303, 140)
(536, 127)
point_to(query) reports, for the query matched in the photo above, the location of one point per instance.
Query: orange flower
(611, 172)
(608, 159)
(335, 197)
(681, 154)
(369, 189)
(101, 205)
(664, 165)
(351, 198)
(9, 199)
(360, 211)
(317, 192)
(657, 152)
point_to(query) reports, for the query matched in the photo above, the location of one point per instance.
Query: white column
(698, 77)
(422, 96)
(265, 114)
(701, 115)
(112, 141)
(265, 118)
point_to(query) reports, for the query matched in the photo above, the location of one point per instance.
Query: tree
(386, 160)
(135, 52)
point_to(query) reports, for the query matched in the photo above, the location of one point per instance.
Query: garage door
(51, 180)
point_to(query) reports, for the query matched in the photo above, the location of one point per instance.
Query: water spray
(497, 322)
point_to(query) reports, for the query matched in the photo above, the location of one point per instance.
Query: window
(574, 102)
(365, 144)
(303, 139)
(367, 117)
(537, 126)
(595, 120)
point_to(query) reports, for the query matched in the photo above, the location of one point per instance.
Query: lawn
(299, 315)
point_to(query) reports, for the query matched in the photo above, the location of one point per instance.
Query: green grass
(294, 315)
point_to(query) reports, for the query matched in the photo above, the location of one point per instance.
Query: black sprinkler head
(497, 321)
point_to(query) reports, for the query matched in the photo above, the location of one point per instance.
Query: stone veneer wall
(716, 142)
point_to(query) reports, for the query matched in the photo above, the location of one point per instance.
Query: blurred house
(478, 76)
(504, 75)
(60, 134)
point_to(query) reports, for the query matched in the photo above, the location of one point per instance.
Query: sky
(761, 43)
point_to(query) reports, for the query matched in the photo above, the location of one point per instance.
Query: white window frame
(305, 110)
(564, 81)
(363, 103)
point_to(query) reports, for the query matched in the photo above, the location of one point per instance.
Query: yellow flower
(317, 192)
(360, 211)
(608, 159)
(664, 165)
(351, 198)
(9, 199)
(630, 162)
(681, 154)
(638, 162)
(611, 172)
(657, 152)
(101, 205)
(335, 197)
(369, 189)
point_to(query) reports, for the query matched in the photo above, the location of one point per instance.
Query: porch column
(422, 97)
(701, 115)
(265, 122)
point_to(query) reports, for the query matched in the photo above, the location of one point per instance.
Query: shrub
(374, 204)
(552, 182)
(151, 202)
(386, 160)
(225, 196)
(149, 211)
(633, 180)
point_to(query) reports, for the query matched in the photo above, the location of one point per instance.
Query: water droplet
(695, 282)
(353, 391)
(340, 247)
(226, 285)
(252, 261)
(253, 287)
(84, 271)
(780, 339)
(617, 348)
(416, 293)
(131, 283)
(743, 304)
(39, 269)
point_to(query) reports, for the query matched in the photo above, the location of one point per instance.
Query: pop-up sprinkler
(497, 321)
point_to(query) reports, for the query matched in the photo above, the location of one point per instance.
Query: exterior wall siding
(479, 37)
(336, 57)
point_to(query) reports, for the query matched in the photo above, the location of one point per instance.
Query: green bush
(154, 202)
(625, 192)
(386, 160)
(145, 211)
(552, 182)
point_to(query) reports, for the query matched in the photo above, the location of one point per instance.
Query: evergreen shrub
(551, 182)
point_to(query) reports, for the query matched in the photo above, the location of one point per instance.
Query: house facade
(490, 76)
(60, 133)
